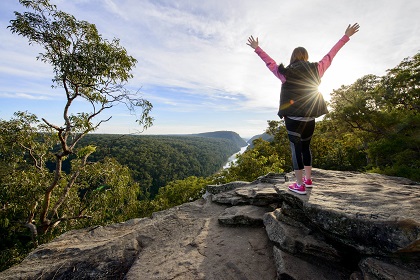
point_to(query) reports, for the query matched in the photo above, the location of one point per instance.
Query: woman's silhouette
(300, 101)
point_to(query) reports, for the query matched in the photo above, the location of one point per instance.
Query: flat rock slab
(256, 193)
(247, 215)
(215, 189)
(184, 242)
(373, 213)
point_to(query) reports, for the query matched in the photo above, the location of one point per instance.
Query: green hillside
(229, 135)
(155, 160)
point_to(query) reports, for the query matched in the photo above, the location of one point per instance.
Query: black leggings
(300, 134)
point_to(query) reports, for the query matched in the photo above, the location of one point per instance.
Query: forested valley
(156, 160)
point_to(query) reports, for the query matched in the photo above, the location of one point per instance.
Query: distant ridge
(229, 135)
(264, 136)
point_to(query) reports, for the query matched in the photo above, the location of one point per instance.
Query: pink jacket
(322, 64)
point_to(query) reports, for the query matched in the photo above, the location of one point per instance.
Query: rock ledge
(349, 226)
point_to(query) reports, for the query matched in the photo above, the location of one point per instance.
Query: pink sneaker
(307, 182)
(297, 189)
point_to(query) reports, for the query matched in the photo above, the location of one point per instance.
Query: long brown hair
(299, 53)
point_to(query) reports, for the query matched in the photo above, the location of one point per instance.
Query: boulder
(299, 240)
(247, 215)
(372, 213)
(258, 193)
(215, 189)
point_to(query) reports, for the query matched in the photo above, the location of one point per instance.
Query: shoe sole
(296, 191)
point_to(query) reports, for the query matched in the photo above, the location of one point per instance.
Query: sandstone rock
(215, 189)
(374, 214)
(260, 194)
(85, 254)
(230, 198)
(273, 178)
(349, 226)
(299, 241)
(293, 268)
(375, 269)
(247, 215)
(184, 242)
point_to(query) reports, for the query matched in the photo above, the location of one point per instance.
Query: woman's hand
(252, 42)
(352, 29)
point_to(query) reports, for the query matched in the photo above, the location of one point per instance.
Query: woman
(300, 101)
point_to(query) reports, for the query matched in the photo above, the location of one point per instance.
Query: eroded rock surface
(349, 226)
(184, 242)
(372, 213)
(347, 221)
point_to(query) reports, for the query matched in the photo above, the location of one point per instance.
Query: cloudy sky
(193, 61)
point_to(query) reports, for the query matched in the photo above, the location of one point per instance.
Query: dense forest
(157, 160)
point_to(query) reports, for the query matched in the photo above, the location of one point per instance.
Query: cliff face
(349, 226)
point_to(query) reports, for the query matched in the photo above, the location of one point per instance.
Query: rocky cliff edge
(349, 226)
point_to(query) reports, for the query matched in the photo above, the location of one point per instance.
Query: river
(232, 158)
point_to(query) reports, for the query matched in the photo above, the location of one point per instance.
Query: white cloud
(23, 95)
(194, 52)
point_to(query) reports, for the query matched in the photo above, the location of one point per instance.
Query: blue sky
(193, 61)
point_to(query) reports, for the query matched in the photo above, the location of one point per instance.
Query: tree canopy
(382, 116)
(156, 160)
(88, 68)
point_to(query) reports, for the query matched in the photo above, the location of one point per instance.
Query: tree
(253, 163)
(281, 143)
(383, 114)
(178, 192)
(334, 147)
(106, 192)
(103, 192)
(86, 67)
(401, 85)
(360, 106)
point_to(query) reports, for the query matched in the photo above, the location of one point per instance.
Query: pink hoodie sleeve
(271, 64)
(327, 59)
